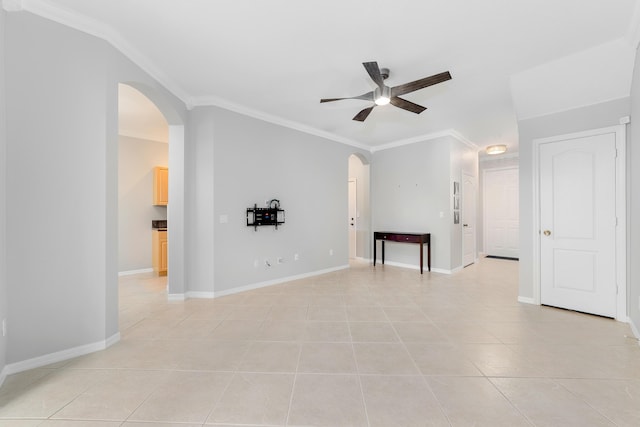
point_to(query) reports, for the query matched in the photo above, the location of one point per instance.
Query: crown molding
(97, 29)
(45, 9)
(488, 158)
(427, 137)
(270, 118)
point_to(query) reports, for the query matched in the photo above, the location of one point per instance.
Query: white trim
(132, 272)
(417, 267)
(620, 132)
(176, 297)
(427, 137)
(3, 375)
(634, 329)
(98, 29)
(211, 295)
(60, 356)
(487, 158)
(270, 118)
(278, 281)
(527, 300)
(485, 228)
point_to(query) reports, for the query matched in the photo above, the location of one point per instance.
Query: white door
(578, 224)
(468, 220)
(352, 217)
(501, 212)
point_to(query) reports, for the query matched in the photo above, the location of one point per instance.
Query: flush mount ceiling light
(496, 149)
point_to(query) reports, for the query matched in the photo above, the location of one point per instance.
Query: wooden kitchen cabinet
(159, 252)
(160, 185)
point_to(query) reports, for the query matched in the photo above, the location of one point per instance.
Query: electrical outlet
(331, 252)
(296, 257)
(4, 327)
(256, 263)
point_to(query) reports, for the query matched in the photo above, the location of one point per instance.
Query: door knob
(465, 225)
(547, 233)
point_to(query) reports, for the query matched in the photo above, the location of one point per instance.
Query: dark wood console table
(392, 236)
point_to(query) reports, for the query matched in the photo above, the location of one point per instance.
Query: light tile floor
(367, 346)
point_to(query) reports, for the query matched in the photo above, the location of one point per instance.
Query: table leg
(374, 251)
(429, 255)
(383, 252)
(421, 256)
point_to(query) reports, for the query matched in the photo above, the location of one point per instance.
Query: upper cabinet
(160, 185)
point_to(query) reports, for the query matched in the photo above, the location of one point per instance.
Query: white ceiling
(275, 59)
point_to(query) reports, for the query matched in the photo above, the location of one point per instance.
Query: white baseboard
(278, 281)
(59, 356)
(209, 295)
(417, 267)
(132, 272)
(634, 329)
(3, 375)
(526, 300)
(176, 297)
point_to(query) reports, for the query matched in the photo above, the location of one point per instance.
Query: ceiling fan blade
(420, 84)
(407, 105)
(362, 115)
(366, 96)
(374, 72)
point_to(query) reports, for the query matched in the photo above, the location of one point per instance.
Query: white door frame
(464, 215)
(484, 205)
(353, 198)
(621, 213)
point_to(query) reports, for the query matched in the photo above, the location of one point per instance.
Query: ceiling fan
(383, 94)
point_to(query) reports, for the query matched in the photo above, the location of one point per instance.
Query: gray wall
(136, 160)
(62, 193)
(3, 205)
(411, 185)
(245, 161)
(633, 207)
(580, 119)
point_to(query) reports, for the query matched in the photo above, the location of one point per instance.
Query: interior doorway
(358, 210)
(580, 221)
(501, 214)
(176, 280)
(143, 146)
(469, 200)
(352, 217)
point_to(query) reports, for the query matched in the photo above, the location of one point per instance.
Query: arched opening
(143, 155)
(172, 131)
(359, 212)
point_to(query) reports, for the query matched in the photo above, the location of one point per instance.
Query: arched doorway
(175, 210)
(359, 212)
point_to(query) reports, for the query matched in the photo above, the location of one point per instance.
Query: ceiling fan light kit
(496, 149)
(383, 94)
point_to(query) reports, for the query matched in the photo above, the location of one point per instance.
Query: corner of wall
(3, 157)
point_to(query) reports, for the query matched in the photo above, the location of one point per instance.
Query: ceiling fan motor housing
(384, 72)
